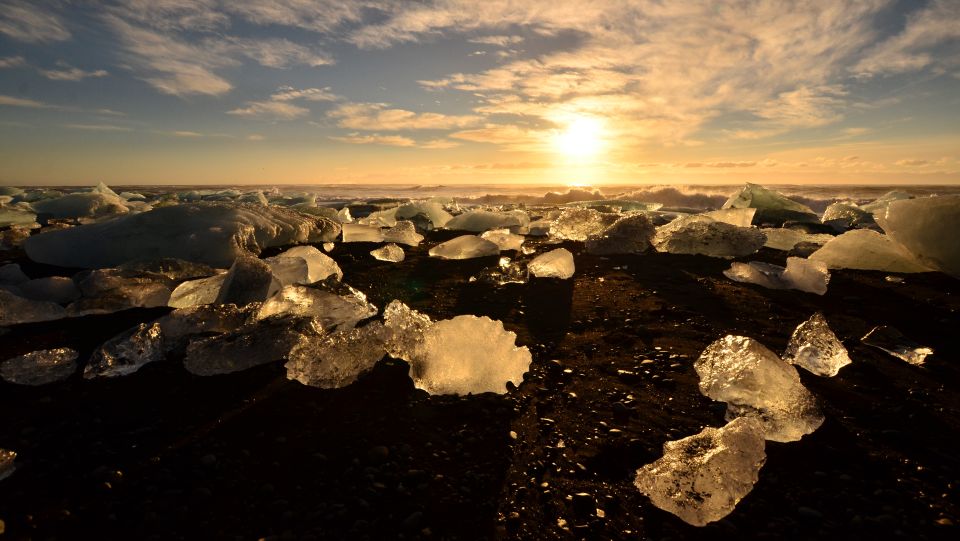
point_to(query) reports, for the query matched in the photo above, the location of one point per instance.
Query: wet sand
(163, 454)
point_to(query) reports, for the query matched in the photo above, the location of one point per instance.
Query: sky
(461, 91)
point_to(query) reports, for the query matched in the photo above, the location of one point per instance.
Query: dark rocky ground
(162, 454)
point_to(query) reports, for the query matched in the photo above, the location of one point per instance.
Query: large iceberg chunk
(341, 309)
(814, 347)
(867, 250)
(127, 352)
(553, 264)
(336, 360)
(504, 239)
(15, 309)
(772, 207)
(40, 367)
(702, 235)
(390, 252)
(752, 380)
(801, 274)
(580, 223)
(630, 234)
(895, 343)
(701, 478)
(82, 205)
(426, 214)
(483, 220)
(464, 247)
(248, 280)
(927, 227)
(211, 233)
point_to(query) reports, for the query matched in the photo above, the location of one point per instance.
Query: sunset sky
(615, 91)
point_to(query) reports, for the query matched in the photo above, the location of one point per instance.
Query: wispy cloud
(33, 23)
(13, 101)
(380, 117)
(288, 93)
(913, 49)
(97, 127)
(912, 163)
(376, 139)
(499, 41)
(272, 109)
(66, 72)
(12, 62)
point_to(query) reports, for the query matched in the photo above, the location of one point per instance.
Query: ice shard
(464, 247)
(111, 290)
(389, 252)
(433, 215)
(504, 239)
(197, 292)
(580, 223)
(405, 330)
(404, 232)
(362, 233)
(258, 343)
(895, 343)
(40, 367)
(553, 264)
(127, 352)
(816, 348)
(484, 220)
(780, 238)
(628, 235)
(16, 216)
(335, 360)
(15, 310)
(702, 235)
(740, 217)
(334, 309)
(927, 228)
(182, 324)
(701, 478)
(319, 265)
(753, 380)
(288, 270)
(772, 206)
(844, 215)
(800, 274)
(248, 280)
(867, 250)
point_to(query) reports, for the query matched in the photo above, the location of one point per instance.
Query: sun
(581, 139)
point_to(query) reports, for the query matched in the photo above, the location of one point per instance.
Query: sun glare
(581, 139)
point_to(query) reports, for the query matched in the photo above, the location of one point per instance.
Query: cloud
(24, 21)
(376, 139)
(912, 163)
(499, 41)
(12, 62)
(274, 109)
(275, 53)
(920, 45)
(722, 165)
(439, 144)
(378, 117)
(97, 127)
(70, 73)
(288, 93)
(13, 101)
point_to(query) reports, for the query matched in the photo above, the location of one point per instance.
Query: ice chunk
(211, 233)
(403, 233)
(12, 274)
(405, 329)
(174, 269)
(127, 352)
(780, 238)
(433, 215)
(844, 215)
(40, 367)
(16, 216)
(288, 270)
(336, 360)
(506, 272)
(867, 250)
(180, 325)
(468, 354)
(484, 220)
(343, 215)
(553, 264)
(111, 290)
(319, 265)
(740, 217)
(14, 237)
(342, 309)
(616, 205)
(248, 280)
(879, 205)
(801, 274)
(751, 379)
(772, 207)
(390, 252)
(58, 289)
(504, 239)
(895, 343)
(196, 292)
(702, 235)
(580, 224)
(7, 465)
(814, 347)
(258, 343)
(380, 218)
(361, 233)
(927, 227)
(82, 205)
(464, 247)
(328, 246)
(628, 235)
(15, 310)
(701, 478)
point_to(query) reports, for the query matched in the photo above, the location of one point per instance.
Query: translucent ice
(772, 207)
(14, 237)
(82, 205)
(127, 352)
(390, 252)
(741, 217)
(504, 239)
(484, 220)
(405, 329)
(701, 478)
(867, 250)
(435, 216)
(404, 232)
(40, 367)
(362, 233)
(111, 290)
(628, 235)
(801, 274)
(553, 264)
(16, 216)
(180, 325)
(879, 205)
(248, 280)
(468, 354)
(844, 215)
(177, 270)
(211, 233)
(15, 309)
(258, 343)
(340, 309)
(197, 292)
(814, 347)
(6, 463)
(751, 379)
(895, 343)
(288, 270)
(780, 238)
(580, 224)
(465, 247)
(319, 265)
(706, 236)
(927, 227)
(336, 360)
